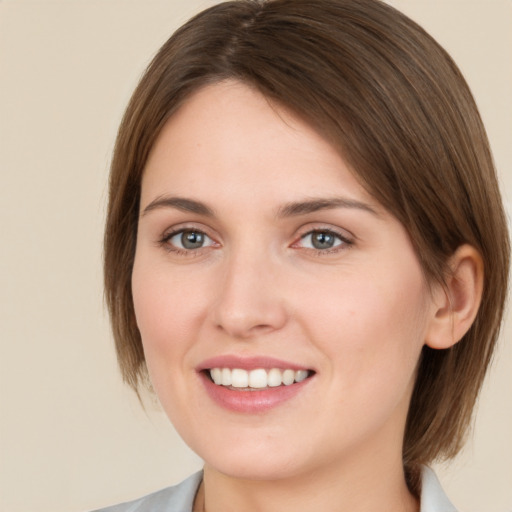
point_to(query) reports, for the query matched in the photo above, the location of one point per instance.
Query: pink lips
(247, 363)
(244, 401)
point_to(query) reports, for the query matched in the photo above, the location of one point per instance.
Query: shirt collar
(433, 498)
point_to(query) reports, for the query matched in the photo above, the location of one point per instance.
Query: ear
(456, 303)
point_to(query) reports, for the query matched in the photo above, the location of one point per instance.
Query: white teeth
(288, 377)
(256, 379)
(300, 375)
(216, 374)
(274, 378)
(239, 378)
(226, 377)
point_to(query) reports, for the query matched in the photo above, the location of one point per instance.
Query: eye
(323, 240)
(188, 239)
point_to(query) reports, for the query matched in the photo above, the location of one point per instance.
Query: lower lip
(252, 401)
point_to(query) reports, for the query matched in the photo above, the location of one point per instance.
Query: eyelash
(167, 237)
(344, 242)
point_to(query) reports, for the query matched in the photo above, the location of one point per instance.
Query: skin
(357, 314)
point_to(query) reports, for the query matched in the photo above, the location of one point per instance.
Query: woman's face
(260, 259)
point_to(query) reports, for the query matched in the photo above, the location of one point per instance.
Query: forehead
(228, 136)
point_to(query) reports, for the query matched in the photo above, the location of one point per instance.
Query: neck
(354, 490)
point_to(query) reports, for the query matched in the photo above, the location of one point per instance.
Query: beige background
(71, 436)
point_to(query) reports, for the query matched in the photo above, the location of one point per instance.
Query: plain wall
(72, 437)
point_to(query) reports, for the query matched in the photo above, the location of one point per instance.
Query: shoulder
(433, 498)
(178, 498)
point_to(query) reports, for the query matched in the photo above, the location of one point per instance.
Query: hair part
(395, 105)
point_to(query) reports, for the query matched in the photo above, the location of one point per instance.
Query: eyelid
(346, 238)
(168, 234)
(310, 227)
(196, 231)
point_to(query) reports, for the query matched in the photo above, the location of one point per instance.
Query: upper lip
(248, 363)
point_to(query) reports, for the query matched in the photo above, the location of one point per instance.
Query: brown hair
(397, 107)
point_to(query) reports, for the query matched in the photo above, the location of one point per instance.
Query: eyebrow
(179, 203)
(292, 209)
(297, 208)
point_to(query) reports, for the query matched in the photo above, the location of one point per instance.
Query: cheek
(367, 311)
(161, 296)
(372, 327)
(166, 311)
(166, 308)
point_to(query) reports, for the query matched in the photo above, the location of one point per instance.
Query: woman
(306, 255)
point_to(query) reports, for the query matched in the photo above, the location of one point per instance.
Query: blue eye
(322, 240)
(189, 239)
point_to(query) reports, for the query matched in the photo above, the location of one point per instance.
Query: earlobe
(457, 302)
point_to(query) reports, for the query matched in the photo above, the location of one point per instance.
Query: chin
(246, 469)
(251, 459)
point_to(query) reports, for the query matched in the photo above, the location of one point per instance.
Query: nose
(249, 302)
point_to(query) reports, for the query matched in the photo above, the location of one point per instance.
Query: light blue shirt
(180, 498)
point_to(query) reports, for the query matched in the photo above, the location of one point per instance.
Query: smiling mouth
(251, 380)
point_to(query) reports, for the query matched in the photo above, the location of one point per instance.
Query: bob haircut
(397, 108)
